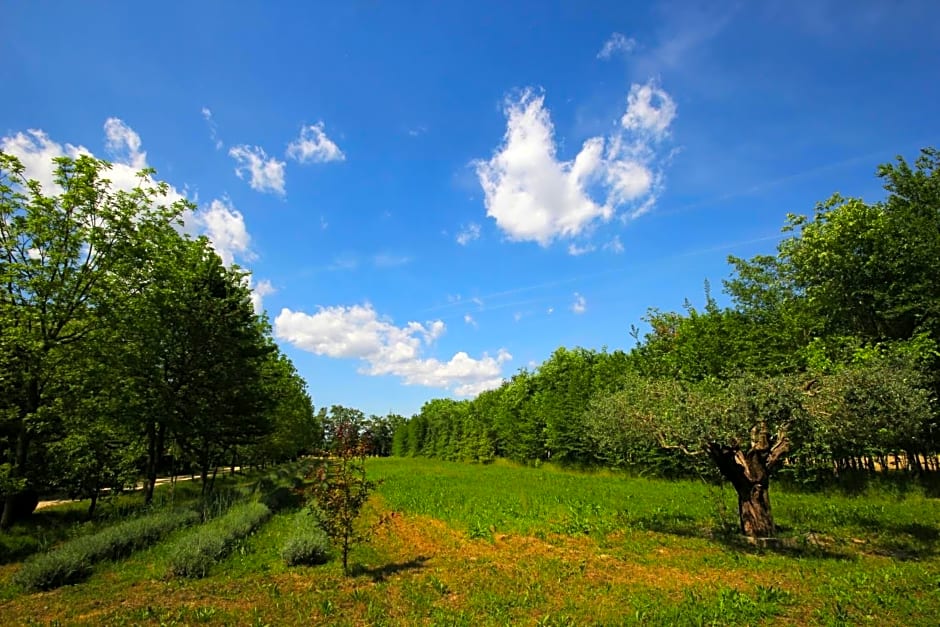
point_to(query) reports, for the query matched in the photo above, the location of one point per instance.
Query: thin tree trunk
(156, 438)
(94, 500)
(19, 462)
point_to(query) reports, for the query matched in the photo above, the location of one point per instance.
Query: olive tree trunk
(749, 472)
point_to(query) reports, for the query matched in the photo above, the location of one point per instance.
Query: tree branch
(678, 447)
(780, 448)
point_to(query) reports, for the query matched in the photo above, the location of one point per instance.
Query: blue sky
(431, 196)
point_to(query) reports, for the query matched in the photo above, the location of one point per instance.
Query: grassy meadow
(460, 544)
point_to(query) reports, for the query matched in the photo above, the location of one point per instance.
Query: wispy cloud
(615, 245)
(468, 233)
(616, 43)
(576, 251)
(213, 128)
(579, 306)
(387, 260)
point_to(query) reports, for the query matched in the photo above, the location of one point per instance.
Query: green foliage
(340, 486)
(73, 560)
(282, 497)
(308, 543)
(195, 553)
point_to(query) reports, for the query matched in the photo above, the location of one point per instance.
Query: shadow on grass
(381, 573)
(729, 537)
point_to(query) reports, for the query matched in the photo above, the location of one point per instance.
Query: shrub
(73, 560)
(194, 554)
(308, 544)
(280, 498)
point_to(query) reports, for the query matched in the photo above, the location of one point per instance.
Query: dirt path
(139, 486)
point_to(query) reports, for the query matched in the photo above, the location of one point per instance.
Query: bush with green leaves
(194, 554)
(308, 544)
(73, 560)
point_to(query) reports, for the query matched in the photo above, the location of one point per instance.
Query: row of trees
(826, 360)
(127, 349)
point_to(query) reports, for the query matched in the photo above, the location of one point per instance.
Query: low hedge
(195, 553)
(73, 561)
(308, 544)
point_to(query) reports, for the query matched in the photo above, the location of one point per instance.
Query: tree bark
(33, 401)
(10, 505)
(749, 474)
(156, 437)
(757, 521)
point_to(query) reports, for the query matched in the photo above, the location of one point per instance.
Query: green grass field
(478, 545)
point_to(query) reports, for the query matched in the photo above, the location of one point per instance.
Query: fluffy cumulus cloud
(219, 220)
(617, 43)
(533, 195)
(265, 174)
(224, 225)
(650, 111)
(358, 332)
(313, 146)
(36, 151)
(124, 144)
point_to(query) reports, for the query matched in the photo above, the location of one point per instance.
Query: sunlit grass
(491, 545)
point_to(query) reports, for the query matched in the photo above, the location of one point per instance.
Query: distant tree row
(826, 362)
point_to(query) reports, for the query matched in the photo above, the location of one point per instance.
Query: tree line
(825, 362)
(128, 349)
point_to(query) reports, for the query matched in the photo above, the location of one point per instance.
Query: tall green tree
(62, 253)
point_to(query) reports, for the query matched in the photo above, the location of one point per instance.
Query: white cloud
(535, 196)
(314, 146)
(575, 251)
(225, 227)
(267, 173)
(36, 151)
(259, 291)
(123, 143)
(219, 221)
(468, 233)
(358, 332)
(467, 318)
(550, 310)
(579, 306)
(531, 194)
(615, 245)
(616, 43)
(345, 261)
(649, 110)
(387, 260)
(213, 128)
